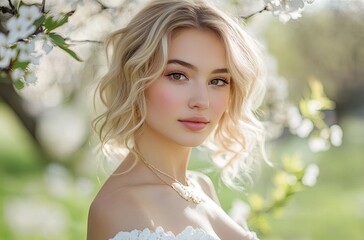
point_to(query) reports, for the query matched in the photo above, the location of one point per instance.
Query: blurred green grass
(333, 209)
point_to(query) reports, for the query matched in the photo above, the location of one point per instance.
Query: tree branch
(7, 10)
(103, 7)
(11, 5)
(43, 6)
(10, 97)
(82, 41)
(266, 8)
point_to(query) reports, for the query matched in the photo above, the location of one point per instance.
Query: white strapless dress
(189, 233)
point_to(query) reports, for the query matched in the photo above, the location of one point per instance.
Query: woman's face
(185, 104)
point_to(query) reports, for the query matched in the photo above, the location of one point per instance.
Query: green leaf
(60, 42)
(317, 89)
(3, 74)
(51, 24)
(48, 22)
(303, 106)
(21, 65)
(19, 84)
(71, 53)
(39, 21)
(318, 93)
(20, 3)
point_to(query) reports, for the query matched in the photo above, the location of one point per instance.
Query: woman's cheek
(164, 98)
(167, 100)
(220, 105)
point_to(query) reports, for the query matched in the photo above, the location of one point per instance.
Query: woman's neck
(164, 155)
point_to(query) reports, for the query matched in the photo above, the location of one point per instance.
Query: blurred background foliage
(50, 170)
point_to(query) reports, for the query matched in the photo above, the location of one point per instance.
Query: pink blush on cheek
(163, 99)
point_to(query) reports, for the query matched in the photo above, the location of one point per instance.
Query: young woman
(181, 74)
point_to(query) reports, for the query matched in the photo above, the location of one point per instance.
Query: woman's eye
(177, 76)
(219, 82)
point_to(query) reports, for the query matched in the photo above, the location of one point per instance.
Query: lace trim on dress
(189, 233)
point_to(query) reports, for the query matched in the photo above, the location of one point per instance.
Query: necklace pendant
(186, 193)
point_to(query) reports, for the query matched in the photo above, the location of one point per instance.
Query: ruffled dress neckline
(189, 233)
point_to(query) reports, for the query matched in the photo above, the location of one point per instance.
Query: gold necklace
(186, 192)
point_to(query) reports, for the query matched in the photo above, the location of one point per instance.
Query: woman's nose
(199, 96)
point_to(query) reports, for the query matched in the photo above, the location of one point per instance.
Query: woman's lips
(195, 123)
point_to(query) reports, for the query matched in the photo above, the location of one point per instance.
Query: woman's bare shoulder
(205, 183)
(114, 210)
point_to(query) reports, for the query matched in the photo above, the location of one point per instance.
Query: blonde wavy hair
(140, 55)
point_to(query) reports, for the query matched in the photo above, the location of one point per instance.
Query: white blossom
(35, 59)
(19, 28)
(17, 74)
(62, 130)
(59, 181)
(294, 118)
(6, 54)
(311, 174)
(3, 40)
(325, 133)
(298, 125)
(47, 46)
(27, 52)
(318, 144)
(305, 128)
(30, 78)
(336, 135)
(29, 13)
(84, 186)
(314, 106)
(26, 217)
(287, 9)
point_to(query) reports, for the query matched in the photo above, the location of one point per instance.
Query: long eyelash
(175, 72)
(226, 82)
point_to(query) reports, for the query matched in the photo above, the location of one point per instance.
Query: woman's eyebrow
(193, 67)
(220, 70)
(183, 63)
